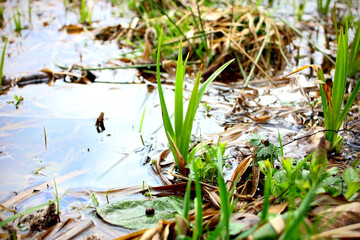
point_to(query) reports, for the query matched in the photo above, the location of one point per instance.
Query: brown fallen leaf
(278, 208)
(74, 28)
(336, 217)
(248, 220)
(67, 229)
(347, 232)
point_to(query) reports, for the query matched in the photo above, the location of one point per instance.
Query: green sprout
(179, 137)
(324, 9)
(332, 98)
(354, 55)
(149, 191)
(1, 16)
(18, 101)
(85, 12)
(17, 20)
(2, 61)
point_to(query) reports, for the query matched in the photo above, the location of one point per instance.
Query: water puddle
(51, 132)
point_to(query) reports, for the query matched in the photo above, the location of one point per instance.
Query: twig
(325, 130)
(187, 179)
(114, 68)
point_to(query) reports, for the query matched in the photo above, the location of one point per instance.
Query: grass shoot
(148, 193)
(3, 61)
(179, 137)
(354, 54)
(86, 12)
(333, 97)
(1, 16)
(96, 202)
(141, 125)
(323, 7)
(56, 194)
(45, 139)
(198, 226)
(17, 20)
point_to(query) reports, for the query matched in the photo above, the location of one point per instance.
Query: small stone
(150, 211)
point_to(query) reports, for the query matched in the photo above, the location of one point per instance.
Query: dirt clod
(41, 219)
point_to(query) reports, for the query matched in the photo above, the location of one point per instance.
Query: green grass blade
(2, 61)
(300, 164)
(57, 198)
(348, 104)
(281, 145)
(266, 205)
(169, 130)
(339, 84)
(224, 199)
(142, 120)
(206, 84)
(354, 59)
(189, 119)
(179, 85)
(187, 199)
(166, 119)
(198, 206)
(300, 214)
(325, 105)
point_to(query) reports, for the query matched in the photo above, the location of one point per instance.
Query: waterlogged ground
(51, 134)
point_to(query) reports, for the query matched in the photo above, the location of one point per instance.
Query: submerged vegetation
(243, 183)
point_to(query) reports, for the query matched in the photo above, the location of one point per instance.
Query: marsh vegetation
(180, 119)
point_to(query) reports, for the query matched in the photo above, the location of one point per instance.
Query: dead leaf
(347, 232)
(278, 208)
(74, 28)
(67, 229)
(180, 159)
(336, 217)
(248, 220)
(239, 171)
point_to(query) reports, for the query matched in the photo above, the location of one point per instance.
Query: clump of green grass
(332, 102)
(299, 8)
(17, 20)
(2, 61)
(86, 12)
(179, 135)
(333, 98)
(323, 7)
(354, 55)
